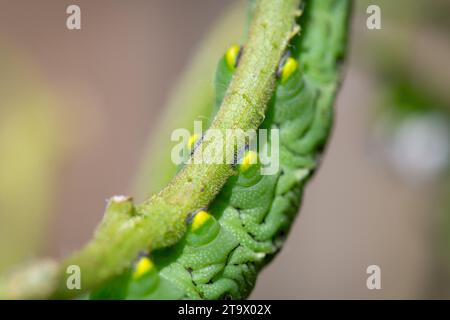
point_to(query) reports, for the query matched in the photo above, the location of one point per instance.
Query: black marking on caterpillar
(238, 57)
(283, 59)
(190, 216)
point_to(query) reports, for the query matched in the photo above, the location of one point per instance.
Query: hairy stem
(160, 220)
(191, 99)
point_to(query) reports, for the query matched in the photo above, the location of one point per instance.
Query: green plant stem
(160, 220)
(191, 100)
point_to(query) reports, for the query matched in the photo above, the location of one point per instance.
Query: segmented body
(224, 248)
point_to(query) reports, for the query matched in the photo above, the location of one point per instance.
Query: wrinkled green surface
(253, 212)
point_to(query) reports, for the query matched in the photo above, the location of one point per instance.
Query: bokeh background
(79, 110)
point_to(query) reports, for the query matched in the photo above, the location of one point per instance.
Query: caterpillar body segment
(225, 70)
(226, 245)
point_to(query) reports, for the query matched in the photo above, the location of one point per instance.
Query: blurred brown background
(106, 86)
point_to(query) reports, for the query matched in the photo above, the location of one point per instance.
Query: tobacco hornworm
(227, 244)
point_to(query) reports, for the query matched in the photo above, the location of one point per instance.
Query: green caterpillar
(226, 245)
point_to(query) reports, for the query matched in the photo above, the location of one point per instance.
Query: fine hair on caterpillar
(197, 147)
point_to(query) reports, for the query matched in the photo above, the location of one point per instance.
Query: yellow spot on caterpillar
(199, 219)
(231, 56)
(192, 140)
(251, 157)
(142, 267)
(288, 69)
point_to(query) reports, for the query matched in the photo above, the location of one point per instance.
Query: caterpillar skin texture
(225, 247)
